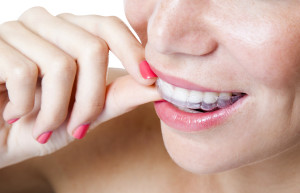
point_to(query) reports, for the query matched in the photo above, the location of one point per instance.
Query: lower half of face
(255, 130)
(229, 77)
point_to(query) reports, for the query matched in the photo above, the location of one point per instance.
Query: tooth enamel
(167, 88)
(195, 97)
(210, 97)
(224, 100)
(225, 96)
(180, 94)
(192, 99)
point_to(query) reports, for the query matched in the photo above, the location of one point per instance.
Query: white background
(12, 9)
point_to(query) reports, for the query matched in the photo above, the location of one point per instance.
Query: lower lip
(192, 122)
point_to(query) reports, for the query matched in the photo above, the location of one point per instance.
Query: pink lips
(191, 122)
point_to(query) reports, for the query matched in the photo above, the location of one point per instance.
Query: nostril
(206, 48)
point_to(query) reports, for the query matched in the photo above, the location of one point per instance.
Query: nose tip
(174, 30)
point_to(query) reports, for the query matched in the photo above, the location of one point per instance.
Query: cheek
(268, 52)
(274, 64)
(262, 42)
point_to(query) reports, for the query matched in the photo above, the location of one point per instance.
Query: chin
(197, 157)
(205, 155)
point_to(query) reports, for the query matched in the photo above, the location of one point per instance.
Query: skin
(79, 69)
(243, 46)
(235, 53)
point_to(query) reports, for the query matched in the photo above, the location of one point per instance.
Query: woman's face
(231, 46)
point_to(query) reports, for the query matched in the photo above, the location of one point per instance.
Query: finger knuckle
(63, 15)
(32, 13)
(96, 47)
(28, 71)
(64, 64)
(113, 19)
(6, 26)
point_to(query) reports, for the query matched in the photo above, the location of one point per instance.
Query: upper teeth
(195, 99)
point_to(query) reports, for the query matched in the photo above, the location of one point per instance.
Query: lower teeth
(208, 107)
(189, 110)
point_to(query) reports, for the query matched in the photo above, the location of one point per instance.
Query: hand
(53, 80)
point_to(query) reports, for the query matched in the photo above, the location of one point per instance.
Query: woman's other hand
(53, 80)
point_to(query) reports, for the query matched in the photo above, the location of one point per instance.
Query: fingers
(57, 70)
(20, 75)
(123, 44)
(70, 54)
(91, 54)
(123, 95)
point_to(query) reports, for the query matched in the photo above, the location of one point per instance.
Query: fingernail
(80, 131)
(146, 71)
(12, 121)
(44, 137)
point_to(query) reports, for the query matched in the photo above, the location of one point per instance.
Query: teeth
(193, 99)
(210, 97)
(167, 89)
(181, 94)
(224, 100)
(188, 110)
(208, 107)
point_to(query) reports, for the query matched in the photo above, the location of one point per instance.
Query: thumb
(123, 95)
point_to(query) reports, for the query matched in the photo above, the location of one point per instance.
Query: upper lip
(179, 82)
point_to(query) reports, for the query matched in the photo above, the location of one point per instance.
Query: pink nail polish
(44, 137)
(12, 121)
(146, 71)
(80, 131)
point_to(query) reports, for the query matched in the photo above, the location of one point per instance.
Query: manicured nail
(80, 131)
(44, 137)
(12, 121)
(146, 71)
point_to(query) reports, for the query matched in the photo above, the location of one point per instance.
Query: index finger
(119, 39)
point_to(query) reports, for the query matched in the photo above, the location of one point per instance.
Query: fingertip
(146, 76)
(11, 121)
(81, 131)
(44, 137)
(146, 70)
(146, 82)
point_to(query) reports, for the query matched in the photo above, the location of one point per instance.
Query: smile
(193, 110)
(196, 101)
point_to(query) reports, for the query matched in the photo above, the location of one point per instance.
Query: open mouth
(193, 101)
